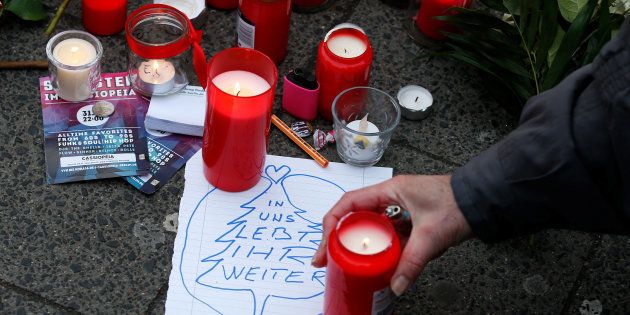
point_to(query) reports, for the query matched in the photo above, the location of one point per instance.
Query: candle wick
(238, 92)
(417, 99)
(345, 51)
(366, 242)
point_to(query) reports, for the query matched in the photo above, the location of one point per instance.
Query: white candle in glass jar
(241, 83)
(371, 128)
(346, 46)
(73, 80)
(365, 239)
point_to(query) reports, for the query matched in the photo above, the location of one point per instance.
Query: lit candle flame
(366, 242)
(237, 88)
(155, 65)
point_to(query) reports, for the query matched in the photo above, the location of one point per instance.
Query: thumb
(416, 254)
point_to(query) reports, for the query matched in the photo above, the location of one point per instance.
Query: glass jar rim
(158, 50)
(53, 41)
(367, 134)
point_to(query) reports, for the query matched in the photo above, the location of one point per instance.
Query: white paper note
(250, 252)
(183, 112)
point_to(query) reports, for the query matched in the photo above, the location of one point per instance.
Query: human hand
(437, 221)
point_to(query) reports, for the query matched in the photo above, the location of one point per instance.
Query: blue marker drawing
(265, 250)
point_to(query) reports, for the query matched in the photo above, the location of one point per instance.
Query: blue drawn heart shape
(277, 174)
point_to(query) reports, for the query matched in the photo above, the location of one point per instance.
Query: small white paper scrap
(250, 252)
(182, 113)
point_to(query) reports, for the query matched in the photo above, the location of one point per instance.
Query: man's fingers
(416, 254)
(368, 198)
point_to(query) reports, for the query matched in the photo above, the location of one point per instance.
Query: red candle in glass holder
(104, 17)
(429, 9)
(223, 4)
(344, 59)
(264, 26)
(241, 87)
(363, 253)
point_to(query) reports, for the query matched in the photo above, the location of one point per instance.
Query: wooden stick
(55, 19)
(29, 64)
(320, 159)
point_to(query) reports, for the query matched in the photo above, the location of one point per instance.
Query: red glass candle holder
(340, 68)
(425, 19)
(237, 125)
(223, 4)
(264, 26)
(358, 283)
(104, 17)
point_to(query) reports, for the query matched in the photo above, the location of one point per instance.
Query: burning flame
(237, 88)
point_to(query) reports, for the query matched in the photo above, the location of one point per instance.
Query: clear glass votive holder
(363, 144)
(74, 63)
(160, 40)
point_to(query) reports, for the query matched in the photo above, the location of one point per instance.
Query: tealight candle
(363, 252)
(364, 126)
(415, 102)
(156, 76)
(74, 62)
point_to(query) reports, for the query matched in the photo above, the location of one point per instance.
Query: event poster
(82, 146)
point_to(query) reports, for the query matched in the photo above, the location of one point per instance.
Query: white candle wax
(241, 83)
(371, 128)
(156, 76)
(415, 98)
(346, 46)
(365, 239)
(74, 84)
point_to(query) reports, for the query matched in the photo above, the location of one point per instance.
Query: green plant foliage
(570, 8)
(524, 47)
(30, 10)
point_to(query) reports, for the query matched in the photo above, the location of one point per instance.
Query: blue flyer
(80, 145)
(168, 152)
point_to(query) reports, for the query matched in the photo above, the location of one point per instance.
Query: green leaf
(548, 29)
(602, 34)
(551, 55)
(495, 5)
(513, 6)
(465, 17)
(30, 10)
(568, 46)
(570, 8)
(494, 55)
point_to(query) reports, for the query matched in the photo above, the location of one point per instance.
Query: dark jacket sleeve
(566, 166)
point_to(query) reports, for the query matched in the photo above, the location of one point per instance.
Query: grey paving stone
(12, 302)
(605, 279)
(513, 277)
